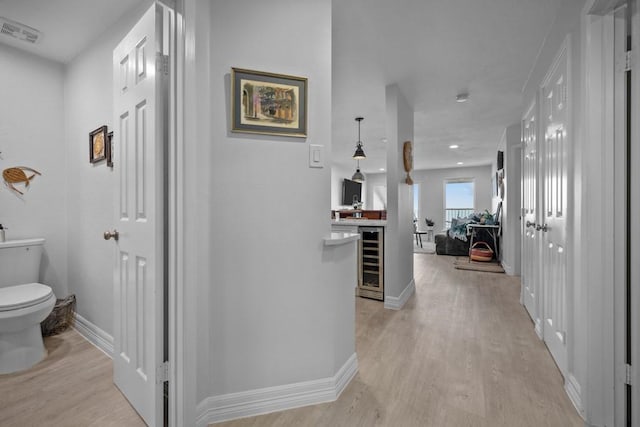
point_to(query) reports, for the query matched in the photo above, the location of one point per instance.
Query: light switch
(316, 157)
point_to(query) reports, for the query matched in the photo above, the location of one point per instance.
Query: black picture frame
(268, 103)
(98, 142)
(109, 149)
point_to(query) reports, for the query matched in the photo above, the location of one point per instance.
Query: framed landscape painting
(268, 103)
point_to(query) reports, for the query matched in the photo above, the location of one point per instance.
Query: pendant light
(359, 154)
(358, 176)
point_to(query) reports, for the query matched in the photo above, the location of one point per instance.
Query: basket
(61, 318)
(478, 253)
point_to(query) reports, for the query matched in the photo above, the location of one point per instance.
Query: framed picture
(267, 103)
(98, 144)
(109, 149)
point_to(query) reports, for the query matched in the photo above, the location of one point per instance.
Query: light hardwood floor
(462, 352)
(72, 387)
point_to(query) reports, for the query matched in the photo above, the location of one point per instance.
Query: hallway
(462, 352)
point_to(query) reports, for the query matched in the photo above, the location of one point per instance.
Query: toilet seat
(23, 296)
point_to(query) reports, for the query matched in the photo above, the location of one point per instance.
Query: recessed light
(453, 146)
(462, 97)
(460, 163)
(381, 169)
(383, 140)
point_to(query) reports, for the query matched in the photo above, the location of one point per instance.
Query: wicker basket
(479, 253)
(61, 318)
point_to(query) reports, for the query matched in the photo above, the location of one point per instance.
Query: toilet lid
(21, 296)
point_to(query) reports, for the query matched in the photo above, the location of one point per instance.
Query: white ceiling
(68, 26)
(431, 49)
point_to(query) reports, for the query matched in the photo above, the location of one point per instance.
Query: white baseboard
(538, 329)
(572, 388)
(396, 303)
(96, 336)
(508, 270)
(249, 403)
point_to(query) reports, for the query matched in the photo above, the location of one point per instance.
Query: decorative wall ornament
(267, 103)
(407, 156)
(98, 140)
(17, 175)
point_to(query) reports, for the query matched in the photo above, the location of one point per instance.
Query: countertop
(361, 222)
(335, 239)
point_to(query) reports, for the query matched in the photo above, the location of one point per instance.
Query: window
(459, 197)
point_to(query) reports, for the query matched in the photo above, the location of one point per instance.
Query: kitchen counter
(335, 239)
(361, 222)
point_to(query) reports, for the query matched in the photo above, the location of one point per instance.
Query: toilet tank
(20, 261)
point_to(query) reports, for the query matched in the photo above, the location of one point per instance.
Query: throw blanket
(458, 228)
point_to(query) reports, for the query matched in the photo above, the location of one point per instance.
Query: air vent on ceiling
(19, 31)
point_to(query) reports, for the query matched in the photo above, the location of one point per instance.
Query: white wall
(511, 225)
(270, 306)
(432, 182)
(374, 180)
(32, 134)
(398, 266)
(89, 104)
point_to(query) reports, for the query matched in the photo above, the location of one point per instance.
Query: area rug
(462, 263)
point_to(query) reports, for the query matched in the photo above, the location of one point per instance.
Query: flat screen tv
(351, 192)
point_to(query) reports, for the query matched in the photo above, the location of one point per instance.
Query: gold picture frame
(98, 141)
(268, 103)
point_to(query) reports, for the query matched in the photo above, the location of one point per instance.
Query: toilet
(24, 303)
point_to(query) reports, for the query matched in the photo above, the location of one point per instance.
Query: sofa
(455, 242)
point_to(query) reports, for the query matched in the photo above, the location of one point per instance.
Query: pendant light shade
(358, 176)
(359, 153)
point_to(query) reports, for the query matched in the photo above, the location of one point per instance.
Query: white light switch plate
(316, 156)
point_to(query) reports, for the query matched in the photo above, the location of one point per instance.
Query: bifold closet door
(530, 237)
(555, 137)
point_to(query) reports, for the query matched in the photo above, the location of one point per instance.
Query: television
(351, 192)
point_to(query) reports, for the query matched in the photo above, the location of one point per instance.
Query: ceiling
(67, 26)
(431, 49)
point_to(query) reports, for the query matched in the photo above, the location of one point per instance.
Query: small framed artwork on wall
(98, 140)
(268, 103)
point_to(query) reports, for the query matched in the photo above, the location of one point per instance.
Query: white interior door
(554, 98)
(138, 277)
(530, 238)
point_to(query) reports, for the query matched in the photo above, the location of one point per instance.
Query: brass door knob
(111, 234)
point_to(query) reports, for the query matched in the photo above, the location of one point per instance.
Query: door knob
(111, 234)
(531, 224)
(542, 227)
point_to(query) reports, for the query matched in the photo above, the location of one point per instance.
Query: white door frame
(182, 286)
(602, 395)
(634, 213)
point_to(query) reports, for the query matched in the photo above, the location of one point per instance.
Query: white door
(530, 237)
(552, 232)
(138, 278)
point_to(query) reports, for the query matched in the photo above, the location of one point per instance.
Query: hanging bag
(481, 251)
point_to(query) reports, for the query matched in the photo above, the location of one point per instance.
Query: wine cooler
(371, 263)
